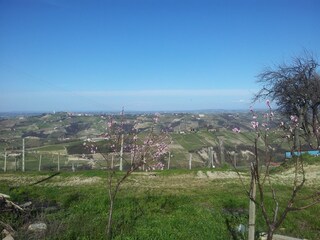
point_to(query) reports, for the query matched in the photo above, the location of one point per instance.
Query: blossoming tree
(262, 183)
(146, 152)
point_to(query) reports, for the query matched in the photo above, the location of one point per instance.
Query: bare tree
(295, 88)
(262, 185)
(314, 104)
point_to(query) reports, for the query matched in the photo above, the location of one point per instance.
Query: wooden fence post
(222, 151)
(59, 162)
(40, 158)
(121, 153)
(23, 156)
(252, 207)
(5, 161)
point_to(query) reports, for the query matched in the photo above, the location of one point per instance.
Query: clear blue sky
(68, 55)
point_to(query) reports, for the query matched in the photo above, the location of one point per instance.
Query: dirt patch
(74, 181)
(201, 175)
(56, 181)
(312, 175)
(22, 180)
(175, 146)
(217, 175)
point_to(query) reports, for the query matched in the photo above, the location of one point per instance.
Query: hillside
(208, 137)
(201, 203)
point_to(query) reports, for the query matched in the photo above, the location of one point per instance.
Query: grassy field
(175, 204)
(172, 204)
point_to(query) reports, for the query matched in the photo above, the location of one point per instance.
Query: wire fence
(46, 161)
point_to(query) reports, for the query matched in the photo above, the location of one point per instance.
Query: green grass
(190, 141)
(49, 148)
(306, 159)
(172, 205)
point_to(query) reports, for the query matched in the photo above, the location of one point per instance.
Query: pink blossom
(236, 130)
(110, 122)
(271, 115)
(268, 103)
(254, 124)
(156, 117)
(294, 118)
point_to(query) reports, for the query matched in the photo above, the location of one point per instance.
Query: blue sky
(68, 55)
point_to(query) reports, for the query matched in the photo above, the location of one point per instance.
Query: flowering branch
(260, 178)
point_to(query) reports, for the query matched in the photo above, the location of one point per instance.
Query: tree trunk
(296, 144)
(315, 125)
(270, 234)
(109, 225)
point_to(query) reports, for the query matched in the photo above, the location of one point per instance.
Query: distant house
(212, 130)
(311, 152)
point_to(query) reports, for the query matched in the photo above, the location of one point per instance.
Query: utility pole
(23, 160)
(121, 153)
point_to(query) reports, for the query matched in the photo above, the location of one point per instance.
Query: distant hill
(202, 134)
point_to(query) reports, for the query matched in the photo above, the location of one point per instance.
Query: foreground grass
(165, 205)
